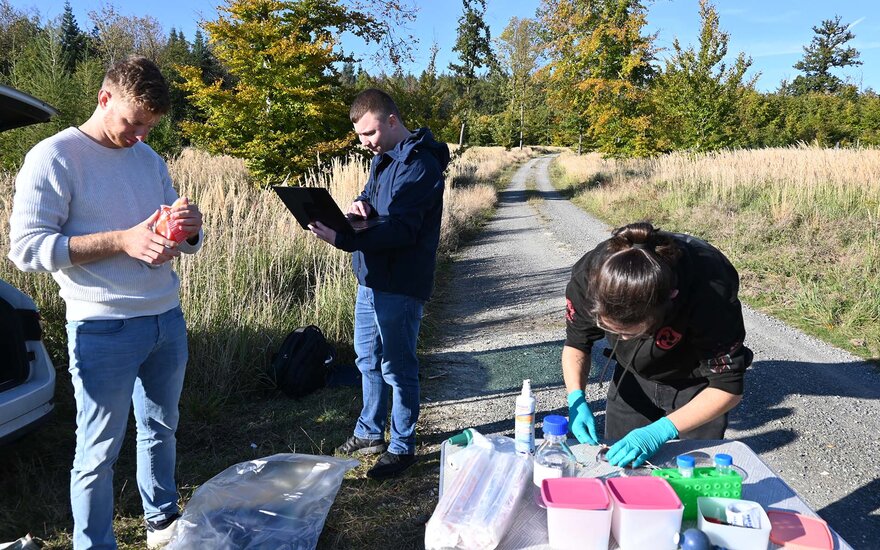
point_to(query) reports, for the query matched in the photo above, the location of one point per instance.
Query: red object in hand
(166, 226)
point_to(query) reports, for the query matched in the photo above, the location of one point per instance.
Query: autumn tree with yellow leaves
(283, 107)
(598, 72)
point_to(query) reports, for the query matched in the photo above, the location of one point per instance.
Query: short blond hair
(139, 81)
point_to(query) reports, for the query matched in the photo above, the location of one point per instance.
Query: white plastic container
(578, 513)
(730, 536)
(646, 513)
(524, 420)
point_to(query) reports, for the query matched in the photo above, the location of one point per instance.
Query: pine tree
(826, 51)
(73, 41)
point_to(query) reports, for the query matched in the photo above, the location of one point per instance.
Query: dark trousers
(634, 402)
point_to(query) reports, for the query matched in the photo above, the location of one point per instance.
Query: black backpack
(302, 362)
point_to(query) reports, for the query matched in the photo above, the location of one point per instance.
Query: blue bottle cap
(722, 459)
(685, 461)
(555, 425)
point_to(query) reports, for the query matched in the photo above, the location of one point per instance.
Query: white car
(27, 376)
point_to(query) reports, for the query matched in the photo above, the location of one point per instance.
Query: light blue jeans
(115, 364)
(386, 330)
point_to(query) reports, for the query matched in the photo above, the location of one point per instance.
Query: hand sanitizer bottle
(524, 420)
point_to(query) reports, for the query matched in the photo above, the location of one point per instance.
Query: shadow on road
(857, 516)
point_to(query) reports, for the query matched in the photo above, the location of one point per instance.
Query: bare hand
(323, 232)
(190, 217)
(360, 208)
(141, 243)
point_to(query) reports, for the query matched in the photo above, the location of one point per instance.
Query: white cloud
(854, 23)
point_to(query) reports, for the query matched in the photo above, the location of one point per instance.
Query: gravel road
(811, 411)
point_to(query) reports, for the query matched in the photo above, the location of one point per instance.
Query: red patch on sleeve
(569, 311)
(667, 338)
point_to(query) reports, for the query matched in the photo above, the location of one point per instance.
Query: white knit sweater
(70, 185)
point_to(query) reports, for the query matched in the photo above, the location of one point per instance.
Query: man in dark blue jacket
(394, 263)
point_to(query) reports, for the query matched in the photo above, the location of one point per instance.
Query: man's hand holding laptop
(357, 210)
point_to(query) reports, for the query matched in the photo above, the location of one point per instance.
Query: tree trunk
(520, 124)
(461, 135)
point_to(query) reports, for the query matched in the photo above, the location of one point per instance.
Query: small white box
(578, 513)
(731, 536)
(646, 513)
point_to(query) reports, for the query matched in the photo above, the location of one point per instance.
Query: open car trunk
(19, 109)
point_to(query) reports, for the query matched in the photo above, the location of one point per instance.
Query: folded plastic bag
(479, 505)
(278, 503)
(167, 226)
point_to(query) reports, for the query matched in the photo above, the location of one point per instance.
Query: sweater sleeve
(40, 209)
(170, 196)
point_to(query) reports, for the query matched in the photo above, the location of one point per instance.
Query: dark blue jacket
(406, 185)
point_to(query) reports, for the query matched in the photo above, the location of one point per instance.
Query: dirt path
(811, 411)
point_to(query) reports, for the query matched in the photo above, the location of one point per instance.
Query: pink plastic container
(578, 513)
(646, 513)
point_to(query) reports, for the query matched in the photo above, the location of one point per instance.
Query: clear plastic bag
(479, 505)
(278, 503)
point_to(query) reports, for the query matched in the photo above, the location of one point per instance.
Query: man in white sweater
(86, 201)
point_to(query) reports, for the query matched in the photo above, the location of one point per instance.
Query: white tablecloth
(760, 484)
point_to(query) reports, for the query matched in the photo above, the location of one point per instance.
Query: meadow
(801, 224)
(258, 276)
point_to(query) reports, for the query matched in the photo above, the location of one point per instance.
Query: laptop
(311, 204)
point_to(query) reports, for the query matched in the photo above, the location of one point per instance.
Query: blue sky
(771, 32)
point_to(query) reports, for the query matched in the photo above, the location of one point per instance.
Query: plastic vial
(554, 457)
(685, 465)
(723, 464)
(524, 420)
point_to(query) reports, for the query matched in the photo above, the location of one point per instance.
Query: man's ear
(392, 120)
(104, 96)
(673, 294)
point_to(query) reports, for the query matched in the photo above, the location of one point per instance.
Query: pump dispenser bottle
(524, 420)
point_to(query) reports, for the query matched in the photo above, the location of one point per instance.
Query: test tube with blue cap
(723, 464)
(685, 465)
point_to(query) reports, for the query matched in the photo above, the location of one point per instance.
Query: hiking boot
(355, 444)
(159, 533)
(390, 464)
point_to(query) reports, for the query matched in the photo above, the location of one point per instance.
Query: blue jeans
(114, 364)
(386, 329)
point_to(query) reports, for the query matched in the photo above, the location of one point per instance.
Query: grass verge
(801, 224)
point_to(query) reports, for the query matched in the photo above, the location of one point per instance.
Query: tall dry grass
(259, 275)
(483, 164)
(802, 224)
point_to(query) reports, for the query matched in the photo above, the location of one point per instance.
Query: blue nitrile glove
(640, 444)
(580, 418)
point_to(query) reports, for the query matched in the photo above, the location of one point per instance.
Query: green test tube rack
(706, 482)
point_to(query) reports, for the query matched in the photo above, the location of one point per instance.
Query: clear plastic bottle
(524, 420)
(553, 458)
(723, 464)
